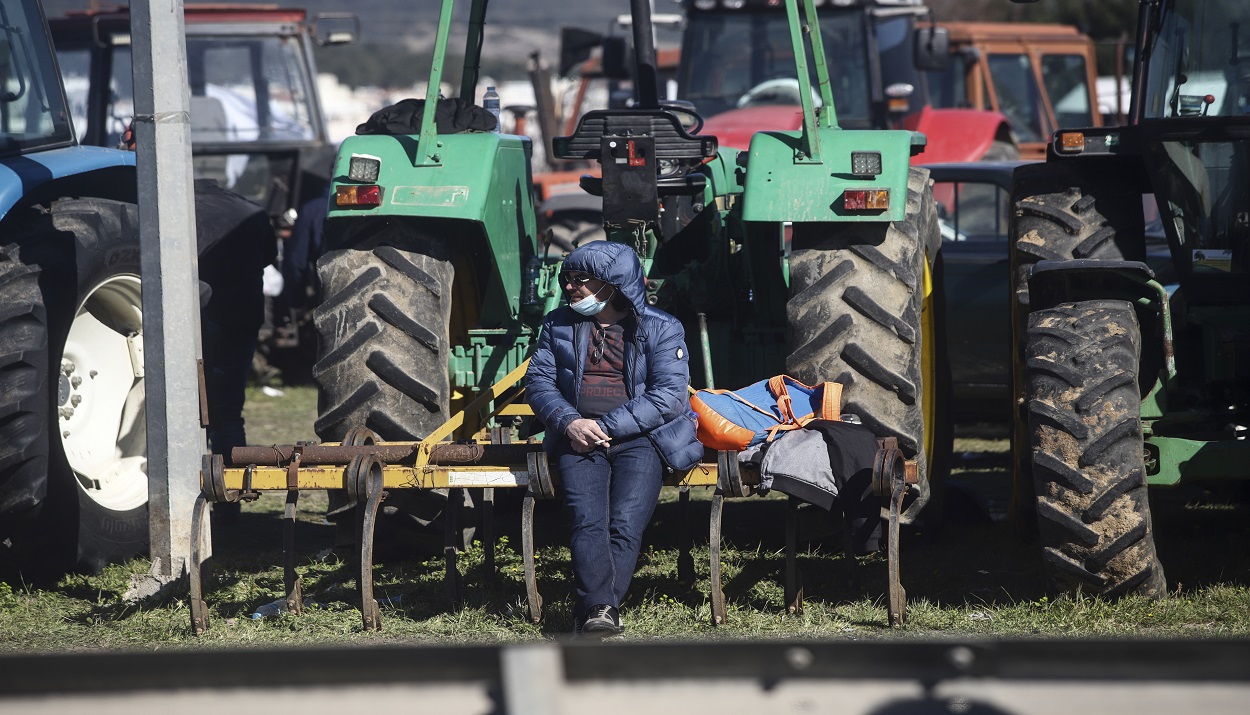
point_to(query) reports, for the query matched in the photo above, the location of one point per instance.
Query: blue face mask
(590, 305)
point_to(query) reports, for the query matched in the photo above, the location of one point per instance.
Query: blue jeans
(610, 495)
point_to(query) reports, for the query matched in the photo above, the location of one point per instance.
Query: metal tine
(685, 561)
(794, 579)
(366, 474)
(488, 534)
(534, 598)
(294, 588)
(199, 609)
(719, 612)
(451, 517)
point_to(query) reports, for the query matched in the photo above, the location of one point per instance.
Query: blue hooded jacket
(657, 364)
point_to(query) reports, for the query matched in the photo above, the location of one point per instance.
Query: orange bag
(737, 419)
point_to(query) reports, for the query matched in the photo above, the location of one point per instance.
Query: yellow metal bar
(425, 477)
(457, 420)
(393, 476)
(703, 475)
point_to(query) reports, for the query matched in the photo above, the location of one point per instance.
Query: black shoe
(602, 620)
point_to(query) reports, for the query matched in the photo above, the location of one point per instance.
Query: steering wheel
(681, 108)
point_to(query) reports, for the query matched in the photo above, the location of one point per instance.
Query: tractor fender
(957, 135)
(73, 170)
(1054, 282)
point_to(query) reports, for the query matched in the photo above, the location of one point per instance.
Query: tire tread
(1086, 448)
(854, 315)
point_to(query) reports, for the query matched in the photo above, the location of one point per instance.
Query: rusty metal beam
(399, 453)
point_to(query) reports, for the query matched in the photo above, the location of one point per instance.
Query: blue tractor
(73, 436)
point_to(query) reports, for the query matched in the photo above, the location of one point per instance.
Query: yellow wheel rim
(928, 366)
(465, 304)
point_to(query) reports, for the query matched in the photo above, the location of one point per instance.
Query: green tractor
(1123, 380)
(814, 253)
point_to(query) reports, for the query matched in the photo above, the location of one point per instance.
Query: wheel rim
(928, 367)
(100, 396)
(467, 298)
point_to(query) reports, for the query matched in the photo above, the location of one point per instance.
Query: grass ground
(974, 578)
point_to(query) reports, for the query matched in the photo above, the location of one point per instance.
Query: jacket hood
(613, 263)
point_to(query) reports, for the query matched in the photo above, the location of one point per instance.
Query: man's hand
(586, 435)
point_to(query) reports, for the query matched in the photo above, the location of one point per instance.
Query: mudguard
(480, 178)
(23, 176)
(956, 135)
(780, 188)
(1053, 282)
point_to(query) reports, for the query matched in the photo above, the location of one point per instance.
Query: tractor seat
(673, 144)
(671, 139)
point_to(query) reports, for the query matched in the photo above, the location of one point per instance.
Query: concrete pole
(170, 277)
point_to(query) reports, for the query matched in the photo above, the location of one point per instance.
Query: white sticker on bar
(493, 478)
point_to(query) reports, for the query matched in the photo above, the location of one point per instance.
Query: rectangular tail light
(866, 199)
(369, 195)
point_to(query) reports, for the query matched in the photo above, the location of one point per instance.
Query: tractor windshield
(1199, 60)
(32, 108)
(251, 107)
(741, 59)
(1201, 187)
(244, 90)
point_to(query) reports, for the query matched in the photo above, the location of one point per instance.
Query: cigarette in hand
(603, 441)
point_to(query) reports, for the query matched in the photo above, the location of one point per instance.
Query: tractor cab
(32, 105)
(256, 121)
(1194, 122)
(740, 58)
(738, 69)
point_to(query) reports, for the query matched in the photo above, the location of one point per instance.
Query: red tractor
(737, 68)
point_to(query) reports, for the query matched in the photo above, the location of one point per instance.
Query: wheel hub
(100, 395)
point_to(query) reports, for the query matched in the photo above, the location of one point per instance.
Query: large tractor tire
(1060, 221)
(73, 436)
(382, 329)
(1073, 224)
(1001, 150)
(1085, 440)
(856, 316)
(571, 229)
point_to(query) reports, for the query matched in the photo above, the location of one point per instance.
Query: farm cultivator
(366, 468)
(813, 253)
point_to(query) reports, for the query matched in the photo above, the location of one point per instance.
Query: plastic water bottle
(490, 102)
(529, 282)
(269, 610)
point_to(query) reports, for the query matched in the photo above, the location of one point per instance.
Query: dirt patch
(1118, 519)
(1033, 238)
(1067, 448)
(1067, 397)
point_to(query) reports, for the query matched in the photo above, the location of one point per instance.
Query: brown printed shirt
(603, 382)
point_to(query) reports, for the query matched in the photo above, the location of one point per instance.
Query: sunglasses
(579, 280)
(600, 340)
